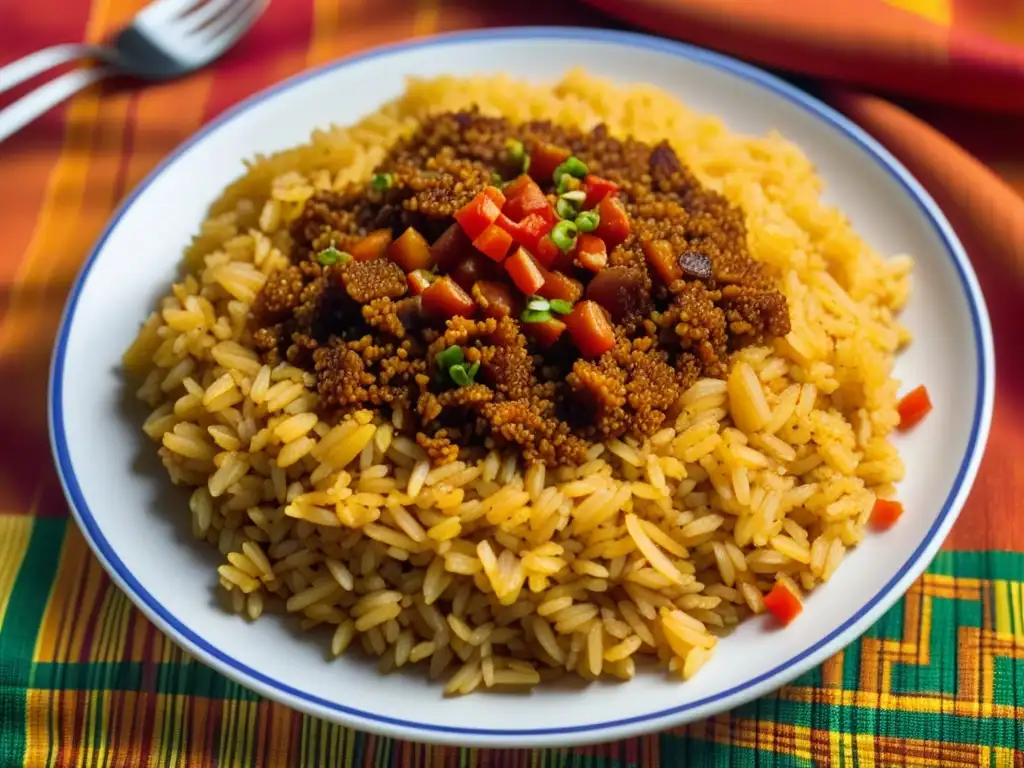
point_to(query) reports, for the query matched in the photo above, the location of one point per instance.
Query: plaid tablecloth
(86, 680)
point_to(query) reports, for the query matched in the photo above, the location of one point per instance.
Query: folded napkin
(968, 54)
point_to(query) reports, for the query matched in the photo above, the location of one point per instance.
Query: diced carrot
(527, 232)
(451, 248)
(783, 604)
(411, 251)
(614, 226)
(496, 299)
(591, 252)
(444, 298)
(590, 329)
(662, 260)
(597, 189)
(473, 267)
(544, 158)
(885, 512)
(419, 280)
(545, 333)
(372, 246)
(558, 285)
(548, 254)
(477, 215)
(523, 197)
(496, 195)
(524, 271)
(493, 242)
(914, 406)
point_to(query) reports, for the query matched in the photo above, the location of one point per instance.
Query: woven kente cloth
(86, 680)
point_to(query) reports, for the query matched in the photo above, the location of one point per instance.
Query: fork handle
(33, 104)
(27, 67)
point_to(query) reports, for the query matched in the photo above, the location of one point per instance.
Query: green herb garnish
(382, 181)
(568, 183)
(572, 166)
(560, 306)
(565, 209)
(449, 357)
(330, 256)
(535, 316)
(564, 235)
(538, 303)
(458, 374)
(588, 221)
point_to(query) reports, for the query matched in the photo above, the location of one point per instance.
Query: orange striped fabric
(85, 680)
(968, 52)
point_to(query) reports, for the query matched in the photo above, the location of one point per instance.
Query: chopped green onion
(515, 149)
(560, 306)
(496, 179)
(576, 167)
(458, 374)
(382, 181)
(588, 221)
(535, 316)
(572, 166)
(332, 255)
(564, 235)
(538, 303)
(574, 196)
(565, 209)
(568, 183)
(472, 370)
(449, 357)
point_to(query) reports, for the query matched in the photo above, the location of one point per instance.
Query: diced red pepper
(545, 333)
(914, 406)
(544, 158)
(614, 226)
(477, 215)
(527, 232)
(451, 248)
(444, 298)
(473, 267)
(597, 189)
(517, 186)
(411, 251)
(523, 197)
(590, 329)
(372, 246)
(524, 271)
(493, 242)
(662, 260)
(885, 513)
(495, 299)
(558, 285)
(419, 280)
(591, 252)
(549, 254)
(496, 195)
(783, 604)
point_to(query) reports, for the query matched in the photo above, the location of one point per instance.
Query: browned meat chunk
(681, 291)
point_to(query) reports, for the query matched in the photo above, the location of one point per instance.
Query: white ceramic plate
(138, 525)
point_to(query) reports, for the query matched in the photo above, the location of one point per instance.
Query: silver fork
(166, 39)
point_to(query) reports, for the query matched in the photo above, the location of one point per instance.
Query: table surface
(84, 678)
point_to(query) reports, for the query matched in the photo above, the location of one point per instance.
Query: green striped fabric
(86, 680)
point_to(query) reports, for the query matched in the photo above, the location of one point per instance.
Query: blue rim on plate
(736, 695)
